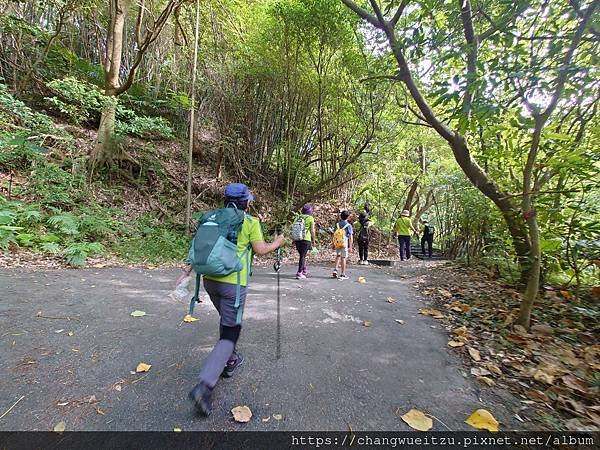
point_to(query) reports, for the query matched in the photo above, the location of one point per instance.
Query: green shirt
(309, 221)
(403, 226)
(249, 232)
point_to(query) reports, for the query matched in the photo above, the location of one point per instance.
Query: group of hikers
(221, 254)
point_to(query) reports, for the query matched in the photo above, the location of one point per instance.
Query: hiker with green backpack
(303, 234)
(222, 250)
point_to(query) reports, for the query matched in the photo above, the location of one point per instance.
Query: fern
(77, 253)
(50, 247)
(7, 217)
(65, 223)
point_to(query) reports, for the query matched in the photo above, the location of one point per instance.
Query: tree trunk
(533, 280)
(102, 153)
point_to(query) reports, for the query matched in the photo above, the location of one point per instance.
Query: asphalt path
(70, 348)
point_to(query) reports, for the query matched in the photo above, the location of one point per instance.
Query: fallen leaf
(565, 294)
(544, 377)
(493, 368)
(189, 318)
(99, 411)
(418, 420)
(459, 307)
(455, 343)
(60, 427)
(474, 354)
(63, 404)
(461, 331)
(266, 419)
(486, 380)
(118, 387)
(575, 383)
(92, 399)
(537, 396)
(59, 331)
(401, 322)
(480, 372)
(143, 367)
(138, 313)
(71, 333)
(277, 416)
(366, 323)
(241, 414)
(177, 430)
(436, 314)
(483, 420)
(445, 293)
(391, 300)
(362, 280)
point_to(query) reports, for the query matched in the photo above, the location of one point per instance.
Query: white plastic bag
(181, 291)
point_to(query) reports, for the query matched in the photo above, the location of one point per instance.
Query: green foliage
(153, 241)
(83, 99)
(146, 127)
(76, 253)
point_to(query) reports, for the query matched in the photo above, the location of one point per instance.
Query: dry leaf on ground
(474, 354)
(391, 300)
(362, 280)
(418, 420)
(366, 323)
(189, 318)
(480, 372)
(461, 331)
(401, 322)
(436, 314)
(455, 343)
(241, 414)
(143, 367)
(60, 427)
(177, 430)
(486, 380)
(483, 420)
(138, 313)
(277, 416)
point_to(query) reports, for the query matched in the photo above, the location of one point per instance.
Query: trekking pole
(277, 268)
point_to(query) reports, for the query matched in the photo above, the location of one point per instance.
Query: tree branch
(363, 14)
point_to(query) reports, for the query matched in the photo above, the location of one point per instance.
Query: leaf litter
(553, 366)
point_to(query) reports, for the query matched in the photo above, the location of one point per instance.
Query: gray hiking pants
(222, 295)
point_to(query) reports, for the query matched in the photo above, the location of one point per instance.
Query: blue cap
(238, 191)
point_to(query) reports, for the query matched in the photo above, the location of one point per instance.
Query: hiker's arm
(350, 243)
(262, 248)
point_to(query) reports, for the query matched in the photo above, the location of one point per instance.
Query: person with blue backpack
(222, 250)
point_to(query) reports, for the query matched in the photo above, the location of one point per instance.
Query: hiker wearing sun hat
(402, 229)
(227, 289)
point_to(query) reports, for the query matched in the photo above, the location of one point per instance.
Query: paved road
(334, 372)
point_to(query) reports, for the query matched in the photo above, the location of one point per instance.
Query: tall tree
(537, 77)
(146, 33)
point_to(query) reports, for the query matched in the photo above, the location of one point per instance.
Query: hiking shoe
(343, 277)
(232, 365)
(365, 262)
(201, 398)
(300, 276)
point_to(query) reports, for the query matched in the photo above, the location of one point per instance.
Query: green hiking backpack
(213, 250)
